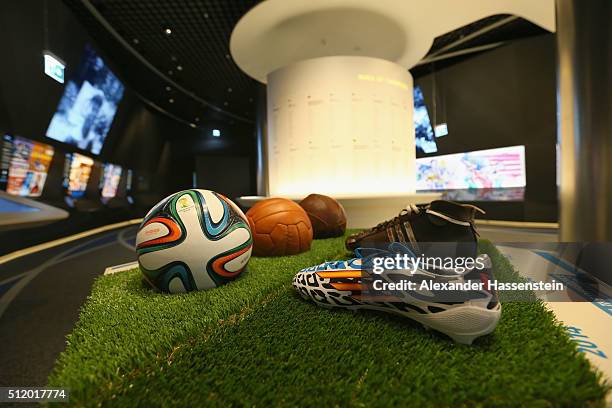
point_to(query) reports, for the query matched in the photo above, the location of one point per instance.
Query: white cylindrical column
(342, 126)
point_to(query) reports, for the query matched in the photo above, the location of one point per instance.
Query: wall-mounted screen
(6, 151)
(88, 106)
(128, 182)
(24, 165)
(493, 168)
(425, 141)
(485, 194)
(111, 174)
(76, 174)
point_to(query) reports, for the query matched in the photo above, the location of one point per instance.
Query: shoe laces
(411, 209)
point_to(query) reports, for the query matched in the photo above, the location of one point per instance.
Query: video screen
(10, 206)
(128, 183)
(493, 168)
(485, 194)
(5, 159)
(425, 141)
(24, 165)
(88, 106)
(111, 174)
(76, 174)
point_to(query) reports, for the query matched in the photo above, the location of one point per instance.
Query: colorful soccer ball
(193, 240)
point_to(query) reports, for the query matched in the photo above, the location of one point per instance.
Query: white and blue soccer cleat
(456, 302)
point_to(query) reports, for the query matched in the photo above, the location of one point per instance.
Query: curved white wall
(341, 126)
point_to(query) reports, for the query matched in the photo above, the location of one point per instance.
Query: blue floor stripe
(7, 285)
(602, 302)
(92, 244)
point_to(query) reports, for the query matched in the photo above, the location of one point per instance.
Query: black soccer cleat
(417, 225)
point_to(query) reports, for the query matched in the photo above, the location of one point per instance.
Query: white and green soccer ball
(193, 240)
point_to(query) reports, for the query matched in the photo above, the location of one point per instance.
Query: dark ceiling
(182, 64)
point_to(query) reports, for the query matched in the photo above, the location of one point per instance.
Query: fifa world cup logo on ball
(193, 240)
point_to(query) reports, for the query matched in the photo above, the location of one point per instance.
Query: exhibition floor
(40, 296)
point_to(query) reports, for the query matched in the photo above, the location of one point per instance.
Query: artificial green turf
(255, 342)
(124, 326)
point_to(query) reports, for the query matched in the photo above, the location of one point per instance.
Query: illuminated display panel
(494, 168)
(25, 165)
(77, 171)
(110, 180)
(5, 159)
(88, 106)
(485, 194)
(425, 141)
(128, 183)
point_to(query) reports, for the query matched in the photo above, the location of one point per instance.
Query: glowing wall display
(494, 168)
(128, 182)
(425, 141)
(6, 146)
(485, 194)
(110, 180)
(89, 103)
(27, 164)
(77, 172)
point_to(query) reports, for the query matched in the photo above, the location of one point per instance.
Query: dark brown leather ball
(326, 215)
(279, 227)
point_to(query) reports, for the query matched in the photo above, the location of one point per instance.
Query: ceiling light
(179, 67)
(229, 89)
(135, 41)
(167, 31)
(216, 133)
(193, 125)
(171, 100)
(197, 119)
(168, 88)
(205, 15)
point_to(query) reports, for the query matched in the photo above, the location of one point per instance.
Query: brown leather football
(279, 227)
(326, 215)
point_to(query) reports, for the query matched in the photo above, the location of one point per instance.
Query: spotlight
(167, 31)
